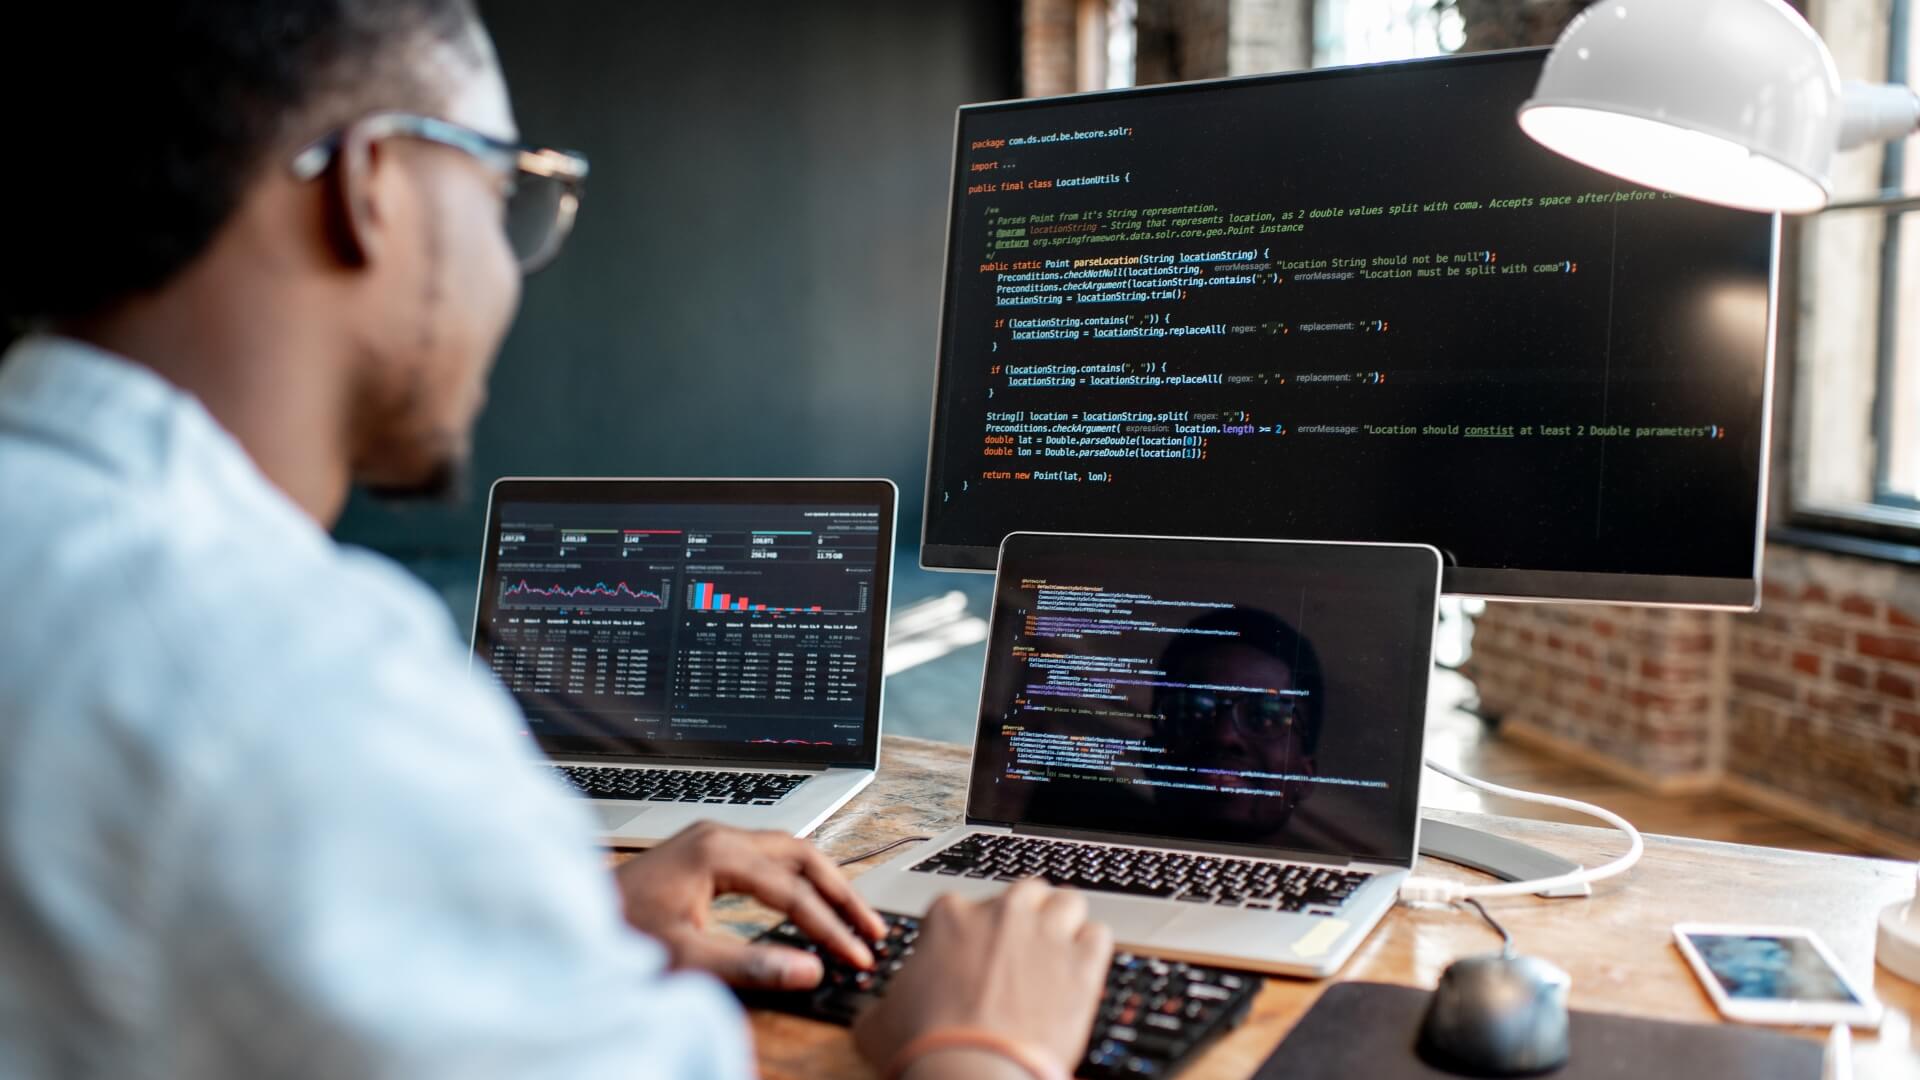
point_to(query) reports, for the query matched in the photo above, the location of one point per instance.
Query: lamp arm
(1876, 113)
(1891, 202)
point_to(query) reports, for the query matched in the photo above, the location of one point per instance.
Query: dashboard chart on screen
(1357, 304)
(667, 623)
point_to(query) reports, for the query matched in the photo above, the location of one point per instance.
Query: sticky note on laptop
(1318, 940)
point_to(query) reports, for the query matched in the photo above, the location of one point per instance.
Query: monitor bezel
(1391, 558)
(878, 492)
(1474, 582)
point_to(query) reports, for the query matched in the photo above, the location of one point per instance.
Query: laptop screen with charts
(1257, 694)
(713, 619)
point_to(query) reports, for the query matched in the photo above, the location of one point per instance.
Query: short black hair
(135, 130)
(1263, 632)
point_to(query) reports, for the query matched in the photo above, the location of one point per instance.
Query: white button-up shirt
(256, 817)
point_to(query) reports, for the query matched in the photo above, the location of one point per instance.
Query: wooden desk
(1617, 944)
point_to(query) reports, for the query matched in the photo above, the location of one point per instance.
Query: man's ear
(356, 217)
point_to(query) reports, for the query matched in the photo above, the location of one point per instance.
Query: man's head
(160, 193)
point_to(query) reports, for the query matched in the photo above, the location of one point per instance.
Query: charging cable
(1446, 892)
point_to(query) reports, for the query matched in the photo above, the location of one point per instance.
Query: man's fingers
(811, 913)
(1063, 911)
(768, 866)
(1095, 942)
(1025, 894)
(947, 909)
(761, 967)
(781, 887)
(830, 883)
(826, 879)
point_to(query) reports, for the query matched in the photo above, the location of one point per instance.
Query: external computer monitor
(1352, 304)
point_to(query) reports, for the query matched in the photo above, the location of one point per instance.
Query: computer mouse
(1497, 1015)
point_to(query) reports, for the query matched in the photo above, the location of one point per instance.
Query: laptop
(1218, 741)
(693, 650)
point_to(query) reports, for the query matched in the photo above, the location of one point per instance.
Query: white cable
(1436, 889)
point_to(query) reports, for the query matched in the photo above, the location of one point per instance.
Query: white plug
(1913, 906)
(1837, 1062)
(1416, 890)
(1897, 945)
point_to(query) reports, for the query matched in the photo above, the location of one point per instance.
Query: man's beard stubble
(444, 484)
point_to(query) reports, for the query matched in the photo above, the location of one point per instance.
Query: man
(255, 818)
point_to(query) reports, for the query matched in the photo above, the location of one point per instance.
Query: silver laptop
(693, 650)
(1219, 741)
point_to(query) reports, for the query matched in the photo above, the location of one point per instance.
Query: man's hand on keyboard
(1027, 965)
(667, 891)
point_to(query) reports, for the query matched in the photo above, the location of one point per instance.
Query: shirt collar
(128, 420)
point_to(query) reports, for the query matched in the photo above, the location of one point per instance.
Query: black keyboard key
(842, 1008)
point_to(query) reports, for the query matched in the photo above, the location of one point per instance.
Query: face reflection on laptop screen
(1272, 705)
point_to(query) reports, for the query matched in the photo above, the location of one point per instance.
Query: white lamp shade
(1728, 101)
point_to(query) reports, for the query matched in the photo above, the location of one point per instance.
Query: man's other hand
(667, 892)
(1027, 965)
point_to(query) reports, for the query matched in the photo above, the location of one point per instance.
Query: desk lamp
(1735, 102)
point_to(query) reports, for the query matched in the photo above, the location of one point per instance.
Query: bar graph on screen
(710, 596)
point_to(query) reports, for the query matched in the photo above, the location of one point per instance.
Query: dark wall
(753, 284)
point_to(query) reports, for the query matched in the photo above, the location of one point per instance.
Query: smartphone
(1774, 975)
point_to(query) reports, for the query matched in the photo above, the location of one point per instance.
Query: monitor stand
(1508, 860)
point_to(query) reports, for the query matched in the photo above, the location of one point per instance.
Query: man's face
(444, 289)
(1236, 731)
(1231, 731)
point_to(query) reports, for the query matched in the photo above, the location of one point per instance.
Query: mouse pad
(1360, 1029)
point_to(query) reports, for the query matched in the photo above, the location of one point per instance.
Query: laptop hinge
(1245, 851)
(576, 757)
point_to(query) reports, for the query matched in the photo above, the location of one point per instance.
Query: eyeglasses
(1257, 716)
(542, 186)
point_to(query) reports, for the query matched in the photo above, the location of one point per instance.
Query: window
(1368, 31)
(1854, 436)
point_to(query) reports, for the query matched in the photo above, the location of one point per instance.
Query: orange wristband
(1037, 1065)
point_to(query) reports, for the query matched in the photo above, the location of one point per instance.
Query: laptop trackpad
(614, 816)
(1132, 921)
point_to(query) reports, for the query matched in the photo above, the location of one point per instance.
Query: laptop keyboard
(1154, 1014)
(682, 785)
(1172, 875)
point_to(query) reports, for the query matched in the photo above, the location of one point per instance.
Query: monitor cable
(1446, 892)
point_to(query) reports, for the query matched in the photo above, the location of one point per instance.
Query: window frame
(1892, 178)
(1889, 522)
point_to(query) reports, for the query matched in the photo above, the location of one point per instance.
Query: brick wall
(1810, 706)
(1064, 41)
(1048, 48)
(1269, 35)
(1822, 698)
(1637, 687)
(1178, 40)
